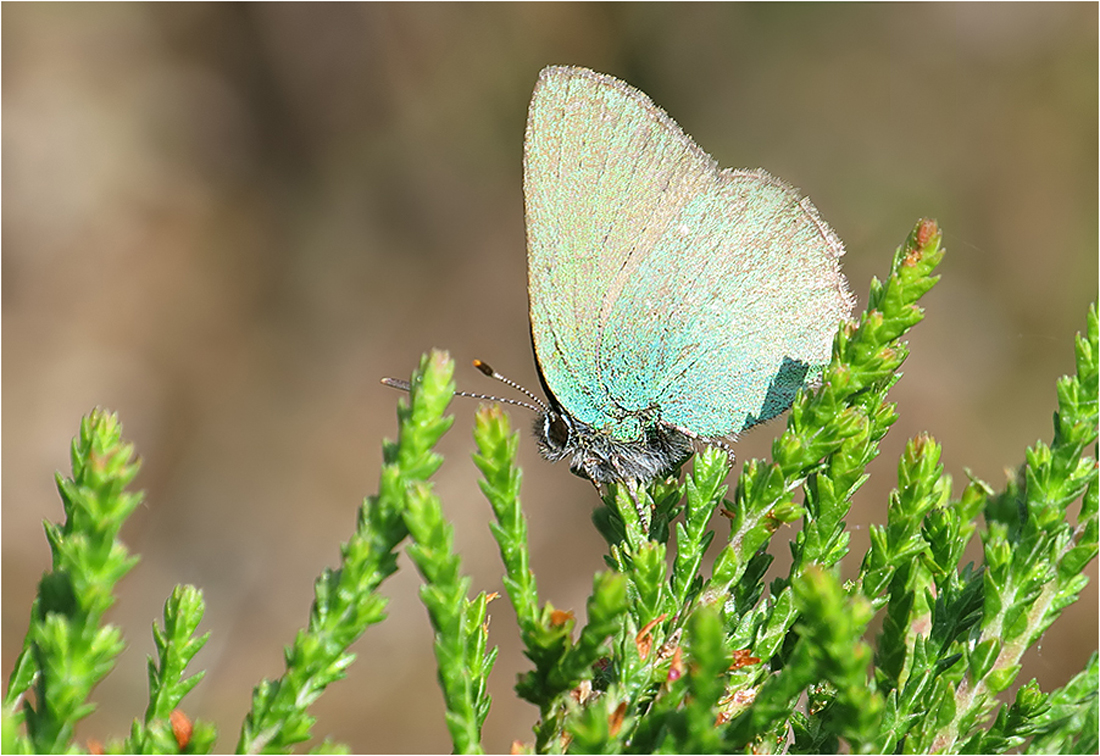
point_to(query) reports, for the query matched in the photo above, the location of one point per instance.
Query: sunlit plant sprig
(670, 656)
(951, 638)
(68, 650)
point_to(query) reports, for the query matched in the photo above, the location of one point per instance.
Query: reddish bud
(676, 670)
(644, 639)
(926, 231)
(559, 618)
(743, 657)
(615, 721)
(181, 728)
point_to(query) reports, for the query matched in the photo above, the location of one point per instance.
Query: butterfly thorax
(601, 458)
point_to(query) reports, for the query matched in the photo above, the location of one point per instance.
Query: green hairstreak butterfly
(670, 300)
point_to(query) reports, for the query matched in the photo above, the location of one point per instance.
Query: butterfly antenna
(485, 368)
(402, 385)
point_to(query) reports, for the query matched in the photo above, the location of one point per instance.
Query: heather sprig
(668, 655)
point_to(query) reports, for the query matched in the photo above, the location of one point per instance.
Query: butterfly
(671, 301)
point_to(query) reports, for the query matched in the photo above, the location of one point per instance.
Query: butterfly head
(600, 457)
(596, 454)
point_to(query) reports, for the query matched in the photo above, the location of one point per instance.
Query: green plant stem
(459, 624)
(167, 685)
(1033, 555)
(346, 600)
(67, 651)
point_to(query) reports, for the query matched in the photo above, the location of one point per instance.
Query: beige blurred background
(226, 222)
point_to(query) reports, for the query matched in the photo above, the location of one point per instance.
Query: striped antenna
(539, 406)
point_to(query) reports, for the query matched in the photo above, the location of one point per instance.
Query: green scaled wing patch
(662, 288)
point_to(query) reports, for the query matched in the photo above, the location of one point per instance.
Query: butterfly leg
(720, 443)
(724, 447)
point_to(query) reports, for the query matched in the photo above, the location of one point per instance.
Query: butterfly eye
(556, 430)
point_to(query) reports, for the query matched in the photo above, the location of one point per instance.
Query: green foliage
(951, 639)
(670, 657)
(167, 686)
(346, 599)
(460, 625)
(67, 650)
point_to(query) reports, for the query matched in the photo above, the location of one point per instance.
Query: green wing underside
(661, 287)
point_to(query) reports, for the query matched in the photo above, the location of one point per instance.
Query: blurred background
(227, 222)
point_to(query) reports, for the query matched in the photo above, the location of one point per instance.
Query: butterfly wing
(658, 284)
(591, 157)
(750, 296)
